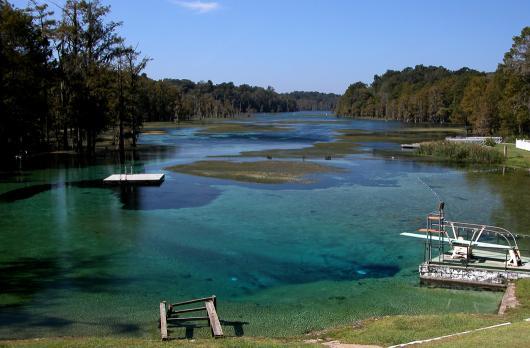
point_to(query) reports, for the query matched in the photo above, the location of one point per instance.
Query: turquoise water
(77, 258)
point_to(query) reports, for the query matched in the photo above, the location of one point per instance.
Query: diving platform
(486, 269)
(135, 179)
(469, 254)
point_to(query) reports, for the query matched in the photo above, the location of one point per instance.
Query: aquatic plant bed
(461, 152)
(232, 127)
(266, 172)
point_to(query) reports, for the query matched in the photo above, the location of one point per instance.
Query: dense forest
(488, 103)
(178, 100)
(207, 100)
(315, 101)
(67, 77)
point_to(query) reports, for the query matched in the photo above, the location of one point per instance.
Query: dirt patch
(337, 344)
(509, 300)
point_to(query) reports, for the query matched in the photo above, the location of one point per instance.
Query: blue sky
(322, 45)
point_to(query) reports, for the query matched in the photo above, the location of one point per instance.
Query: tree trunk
(121, 142)
(65, 137)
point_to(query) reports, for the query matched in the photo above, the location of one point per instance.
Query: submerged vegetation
(382, 331)
(264, 172)
(326, 150)
(349, 141)
(239, 128)
(461, 152)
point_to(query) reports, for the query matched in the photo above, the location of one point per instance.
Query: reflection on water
(81, 258)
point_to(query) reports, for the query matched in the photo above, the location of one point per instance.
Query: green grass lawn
(516, 157)
(515, 335)
(402, 329)
(109, 342)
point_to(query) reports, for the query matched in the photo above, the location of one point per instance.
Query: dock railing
(474, 140)
(474, 232)
(507, 257)
(471, 236)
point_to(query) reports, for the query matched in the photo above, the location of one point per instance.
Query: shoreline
(378, 331)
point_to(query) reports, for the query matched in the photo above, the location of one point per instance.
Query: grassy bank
(461, 152)
(473, 153)
(381, 331)
(401, 329)
(516, 158)
(109, 342)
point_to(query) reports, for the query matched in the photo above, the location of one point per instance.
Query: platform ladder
(435, 225)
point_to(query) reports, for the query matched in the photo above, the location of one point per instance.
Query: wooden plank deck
(134, 178)
(217, 330)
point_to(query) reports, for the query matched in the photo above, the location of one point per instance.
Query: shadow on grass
(190, 328)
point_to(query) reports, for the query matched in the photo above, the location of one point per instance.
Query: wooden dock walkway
(137, 179)
(168, 315)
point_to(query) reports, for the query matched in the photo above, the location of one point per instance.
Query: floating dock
(410, 146)
(135, 179)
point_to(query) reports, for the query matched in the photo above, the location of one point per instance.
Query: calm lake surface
(77, 258)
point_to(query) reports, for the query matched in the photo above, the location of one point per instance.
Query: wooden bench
(168, 314)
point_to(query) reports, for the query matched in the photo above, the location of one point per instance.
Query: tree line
(314, 101)
(181, 100)
(67, 77)
(487, 103)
